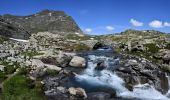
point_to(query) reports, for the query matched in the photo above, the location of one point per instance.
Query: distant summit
(46, 20)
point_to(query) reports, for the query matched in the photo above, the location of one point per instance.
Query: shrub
(9, 69)
(152, 48)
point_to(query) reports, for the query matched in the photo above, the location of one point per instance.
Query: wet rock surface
(140, 71)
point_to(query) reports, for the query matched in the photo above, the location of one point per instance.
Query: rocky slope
(10, 30)
(46, 20)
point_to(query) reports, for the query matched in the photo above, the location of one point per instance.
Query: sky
(101, 16)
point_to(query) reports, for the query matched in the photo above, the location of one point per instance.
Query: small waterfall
(107, 78)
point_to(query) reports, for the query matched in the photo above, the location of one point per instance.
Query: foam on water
(110, 79)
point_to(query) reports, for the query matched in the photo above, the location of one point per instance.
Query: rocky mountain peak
(56, 22)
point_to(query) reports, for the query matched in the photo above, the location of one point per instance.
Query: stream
(107, 80)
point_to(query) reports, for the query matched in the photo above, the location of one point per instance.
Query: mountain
(46, 20)
(11, 30)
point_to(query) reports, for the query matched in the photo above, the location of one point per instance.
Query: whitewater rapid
(110, 79)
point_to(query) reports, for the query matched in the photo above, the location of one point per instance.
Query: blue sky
(101, 16)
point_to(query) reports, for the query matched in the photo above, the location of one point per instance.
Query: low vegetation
(20, 87)
(32, 53)
(2, 39)
(81, 47)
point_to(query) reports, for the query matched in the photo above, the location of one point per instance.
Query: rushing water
(90, 79)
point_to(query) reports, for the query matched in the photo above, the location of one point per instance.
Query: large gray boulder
(78, 62)
(77, 92)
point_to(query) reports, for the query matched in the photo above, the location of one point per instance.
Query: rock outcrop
(11, 30)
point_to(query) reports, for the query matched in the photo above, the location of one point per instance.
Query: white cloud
(156, 24)
(166, 24)
(136, 23)
(88, 30)
(110, 28)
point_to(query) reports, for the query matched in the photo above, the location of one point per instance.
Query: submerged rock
(78, 62)
(98, 96)
(100, 66)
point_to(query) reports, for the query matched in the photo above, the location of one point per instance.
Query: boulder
(99, 45)
(77, 61)
(62, 89)
(166, 58)
(37, 73)
(100, 65)
(37, 63)
(2, 67)
(53, 67)
(131, 62)
(77, 92)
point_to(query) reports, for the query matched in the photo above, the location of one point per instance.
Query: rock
(166, 58)
(63, 59)
(51, 83)
(100, 66)
(158, 55)
(56, 95)
(53, 67)
(62, 89)
(78, 62)
(98, 96)
(28, 63)
(138, 47)
(2, 67)
(37, 73)
(131, 62)
(77, 92)
(37, 63)
(99, 45)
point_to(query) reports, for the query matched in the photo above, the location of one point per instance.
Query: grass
(2, 76)
(76, 37)
(152, 48)
(81, 47)
(19, 87)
